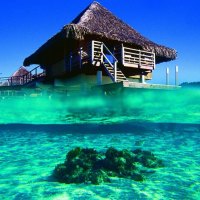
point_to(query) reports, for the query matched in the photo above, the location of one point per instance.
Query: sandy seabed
(28, 156)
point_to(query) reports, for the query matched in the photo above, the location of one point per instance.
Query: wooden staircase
(100, 53)
(110, 71)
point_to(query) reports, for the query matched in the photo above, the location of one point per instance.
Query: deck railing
(128, 57)
(22, 80)
(138, 58)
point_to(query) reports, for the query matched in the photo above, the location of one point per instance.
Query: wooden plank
(146, 67)
(136, 65)
(138, 61)
(142, 51)
(135, 54)
(130, 65)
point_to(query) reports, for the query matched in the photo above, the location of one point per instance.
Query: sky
(27, 24)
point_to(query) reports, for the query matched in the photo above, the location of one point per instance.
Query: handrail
(143, 51)
(21, 80)
(108, 60)
(100, 48)
(109, 52)
(113, 66)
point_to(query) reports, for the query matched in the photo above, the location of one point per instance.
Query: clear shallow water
(29, 155)
(155, 106)
(36, 134)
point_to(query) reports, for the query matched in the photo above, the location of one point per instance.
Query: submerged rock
(147, 159)
(98, 177)
(89, 166)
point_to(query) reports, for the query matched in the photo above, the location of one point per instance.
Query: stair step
(119, 74)
(97, 48)
(121, 79)
(110, 68)
(97, 42)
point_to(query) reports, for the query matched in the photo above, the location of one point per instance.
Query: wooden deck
(149, 86)
(121, 86)
(17, 82)
(135, 58)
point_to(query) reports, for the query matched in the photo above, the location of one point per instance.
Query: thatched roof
(97, 21)
(20, 72)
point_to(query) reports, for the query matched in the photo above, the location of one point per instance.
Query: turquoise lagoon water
(36, 133)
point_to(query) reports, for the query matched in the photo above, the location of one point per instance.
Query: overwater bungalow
(97, 48)
(15, 78)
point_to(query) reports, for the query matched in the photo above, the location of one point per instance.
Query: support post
(115, 72)
(142, 78)
(30, 79)
(23, 79)
(99, 77)
(80, 56)
(167, 76)
(65, 58)
(11, 81)
(102, 51)
(140, 58)
(122, 54)
(154, 61)
(20, 80)
(65, 62)
(176, 75)
(70, 61)
(92, 51)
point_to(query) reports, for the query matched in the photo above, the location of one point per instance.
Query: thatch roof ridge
(75, 20)
(81, 19)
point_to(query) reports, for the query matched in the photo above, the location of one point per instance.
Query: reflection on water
(180, 106)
